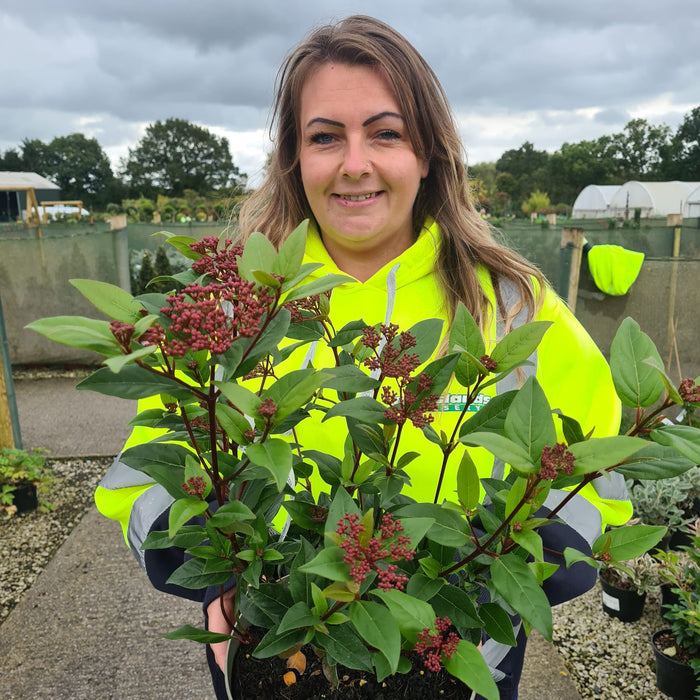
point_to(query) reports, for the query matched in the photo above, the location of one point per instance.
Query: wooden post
(9, 421)
(674, 220)
(571, 249)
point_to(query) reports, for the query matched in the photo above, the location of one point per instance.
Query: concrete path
(91, 625)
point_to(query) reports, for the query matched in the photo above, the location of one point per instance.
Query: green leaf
(133, 382)
(422, 587)
(491, 417)
(468, 484)
(348, 378)
(411, 614)
(164, 463)
(297, 617)
(629, 541)
(329, 564)
(274, 455)
(519, 344)
(571, 428)
(469, 666)
(497, 623)
(377, 627)
(427, 334)
(274, 644)
(343, 644)
(117, 363)
(668, 383)
(266, 605)
(113, 301)
(454, 603)
(233, 423)
(241, 397)
(291, 253)
(504, 449)
(636, 383)
(191, 575)
(258, 254)
(347, 334)
(317, 287)
(516, 582)
(655, 462)
(78, 332)
(195, 634)
(530, 541)
(293, 390)
(466, 333)
(529, 420)
(684, 438)
(188, 536)
(449, 528)
(182, 510)
(182, 244)
(362, 408)
(601, 453)
(230, 515)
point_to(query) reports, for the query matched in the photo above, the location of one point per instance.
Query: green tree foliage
(176, 155)
(11, 160)
(536, 202)
(686, 145)
(638, 149)
(145, 274)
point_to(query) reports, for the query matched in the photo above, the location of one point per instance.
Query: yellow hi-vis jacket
(571, 370)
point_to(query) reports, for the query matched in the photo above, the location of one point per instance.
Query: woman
(366, 148)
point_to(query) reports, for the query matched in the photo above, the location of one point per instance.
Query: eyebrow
(367, 122)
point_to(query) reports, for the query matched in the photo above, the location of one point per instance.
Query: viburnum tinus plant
(329, 550)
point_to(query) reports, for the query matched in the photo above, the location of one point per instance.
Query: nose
(356, 160)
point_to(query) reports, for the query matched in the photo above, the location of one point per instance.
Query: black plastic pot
(672, 678)
(25, 498)
(625, 605)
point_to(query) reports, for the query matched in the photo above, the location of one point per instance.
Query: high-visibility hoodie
(571, 370)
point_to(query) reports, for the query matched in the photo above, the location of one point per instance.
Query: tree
(686, 148)
(527, 166)
(639, 149)
(536, 202)
(176, 155)
(11, 161)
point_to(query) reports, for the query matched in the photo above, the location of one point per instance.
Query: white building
(653, 198)
(593, 202)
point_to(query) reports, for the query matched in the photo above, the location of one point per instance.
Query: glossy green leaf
(191, 575)
(497, 623)
(491, 417)
(469, 666)
(504, 449)
(466, 333)
(293, 390)
(601, 453)
(241, 397)
(454, 603)
(182, 510)
(516, 582)
(317, 286)
(684, 438)
(519, 344)
(298, 616)
(427, 334)
(629, 542)
(133, 382)
(343, 644)
(258, 254)
(78, 332)
(182, 244)
(195, 634)
(117, 362)
(233, 423)
(362, 408)
(329, 564)
(635, 381)
(276, 456)
(113, 301)
(377, 627)
(655, 462)
(529, 420)
(468, 484)
(411, 614)
(291, 253)
(164, 463)
(274, 644)
(422, 587)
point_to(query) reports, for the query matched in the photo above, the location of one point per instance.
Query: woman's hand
(219, 623)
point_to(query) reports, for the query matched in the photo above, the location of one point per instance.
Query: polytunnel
(593, 201)
(653, 198)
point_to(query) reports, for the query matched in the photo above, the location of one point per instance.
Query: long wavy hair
(280, 203)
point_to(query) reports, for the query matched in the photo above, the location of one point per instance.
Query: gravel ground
(29, 540)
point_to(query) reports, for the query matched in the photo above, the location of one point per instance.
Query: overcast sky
(545, 71)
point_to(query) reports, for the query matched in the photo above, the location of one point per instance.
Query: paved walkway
(90, 627)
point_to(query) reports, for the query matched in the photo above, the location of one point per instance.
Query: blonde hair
(279, 204)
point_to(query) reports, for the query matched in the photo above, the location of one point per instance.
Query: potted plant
(625, 586)
(677, 648)
(334, 561)
(670, 502)
(21, 473)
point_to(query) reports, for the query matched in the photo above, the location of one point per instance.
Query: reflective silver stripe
(494, 653)
(613, 488)
(579, 514)
(145, 511)
(121, 476)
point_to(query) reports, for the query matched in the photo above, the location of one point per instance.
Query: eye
(388, 135)
(321, 138)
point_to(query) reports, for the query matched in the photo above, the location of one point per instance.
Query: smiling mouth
(358, 197)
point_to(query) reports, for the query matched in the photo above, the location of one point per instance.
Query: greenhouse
(652, 198)
(594, 201)
(692, 204)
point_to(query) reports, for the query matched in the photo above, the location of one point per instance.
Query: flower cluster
(312, 308)
(221, 265)
(123, 333)
(395, 362)
(431, 645)
(556, 459)
(195, 486)
(689, 391)
(363, 555)
(490, 364)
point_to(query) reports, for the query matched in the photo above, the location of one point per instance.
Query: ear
(424, 169)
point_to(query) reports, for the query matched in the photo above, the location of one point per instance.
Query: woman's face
(358, 167)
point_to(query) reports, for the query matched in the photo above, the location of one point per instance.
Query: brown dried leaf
(290, 678)
(297, 662)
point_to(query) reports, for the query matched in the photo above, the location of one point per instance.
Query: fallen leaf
(290, 678)
(297, 661)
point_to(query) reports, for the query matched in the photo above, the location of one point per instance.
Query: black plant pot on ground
(675, 679)
(625, 605)
(25, 498)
